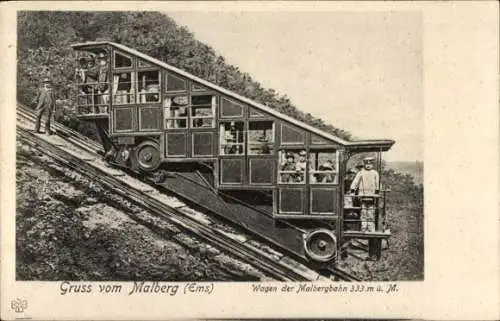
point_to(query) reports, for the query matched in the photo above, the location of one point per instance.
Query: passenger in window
(203, 116)
(327, 166)
(80, 75)
(233, 138)
(85, 92)
(264, 147)
(142, 95)
(301, 166)
(84, 75)
(203, 122)
(103, 87)
(302, 163)
(91, 69)
(289, 165)
(123, 88)
(355, 200)
(179, 111)
(149, 88)
(178, 114)
(81, 70)
(182, 123)
(349, 199)
(150, 93)
(153, 92)
(91, 81)
(172, 113)
(198, 123)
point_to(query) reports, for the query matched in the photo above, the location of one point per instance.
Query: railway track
(83, 155)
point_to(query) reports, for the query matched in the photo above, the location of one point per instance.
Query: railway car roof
(358, 145)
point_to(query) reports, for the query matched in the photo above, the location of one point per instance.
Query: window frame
(166, 111)
(201, 89)
(271, 144)
(115, 52)
(221, 109)
(139, 94)
(186, 85)
(317, 171)
(193, 134)
(303, 192)
(133, 90)
(140, 111)
(82, 101)
(253, 113)
(221, 145)
(279, 171)
(329, 189)
(250, 171)
(242, 162)
(132, 119)
(212, 106)
(302, 132)
(167, 136)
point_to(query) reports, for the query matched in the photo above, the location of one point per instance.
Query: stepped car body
(265, 171)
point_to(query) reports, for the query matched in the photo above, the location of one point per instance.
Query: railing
(365, 213)
(291, 177)
(93, 98)
(323, 176)
(232, 148)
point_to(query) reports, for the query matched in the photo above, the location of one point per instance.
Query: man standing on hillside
(45, 104)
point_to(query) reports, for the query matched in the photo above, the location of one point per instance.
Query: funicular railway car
(269, 173)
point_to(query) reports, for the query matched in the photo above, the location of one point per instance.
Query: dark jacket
(99, 75)
(46, 98)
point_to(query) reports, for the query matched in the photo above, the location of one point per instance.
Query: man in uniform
(80, 77)
(100, 74)
(102, 87)
(366, 183)
(45, 104)
(92, 75)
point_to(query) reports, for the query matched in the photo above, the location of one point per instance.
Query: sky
(359, 71)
